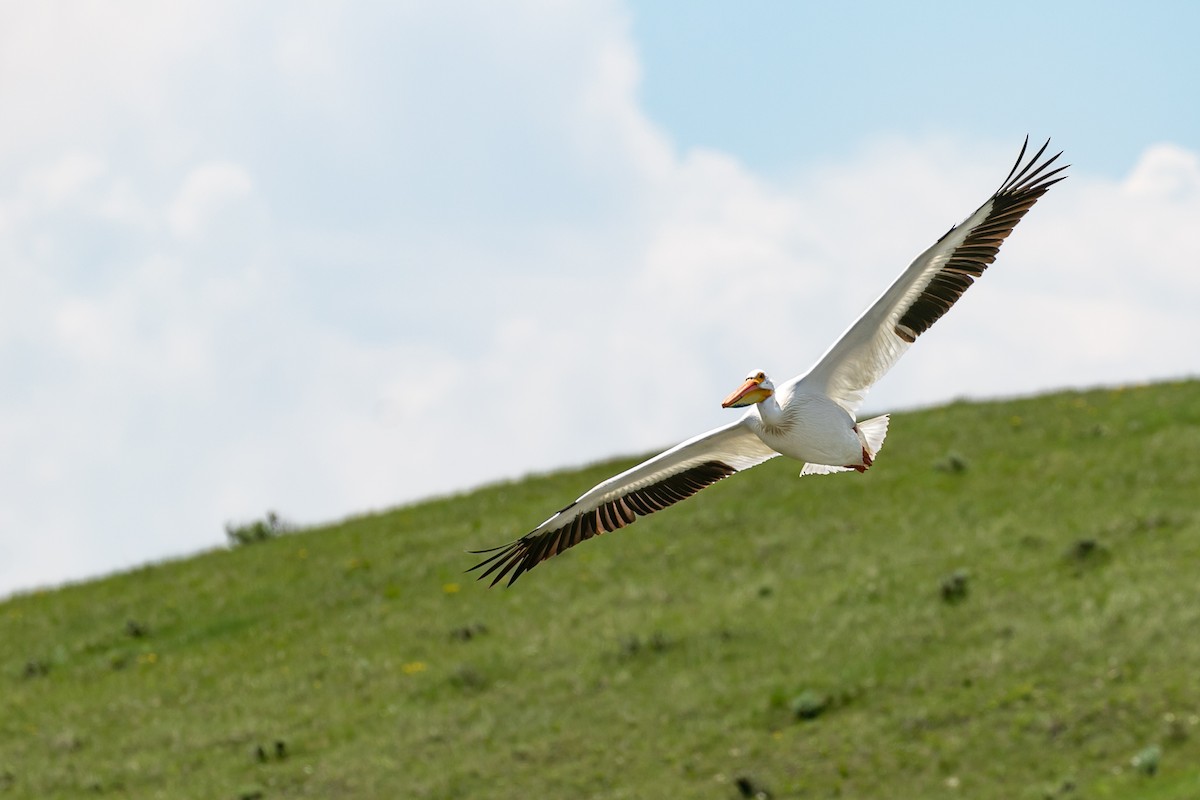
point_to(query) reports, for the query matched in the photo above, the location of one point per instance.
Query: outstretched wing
(650, 486)
(931, 284)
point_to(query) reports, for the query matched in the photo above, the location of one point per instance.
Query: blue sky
(776, 83)
(323, 259)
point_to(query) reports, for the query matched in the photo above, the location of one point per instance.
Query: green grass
(668, 660)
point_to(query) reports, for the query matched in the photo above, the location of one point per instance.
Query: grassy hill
(1006, 606)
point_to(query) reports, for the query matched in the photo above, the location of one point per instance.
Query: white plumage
(812, 417)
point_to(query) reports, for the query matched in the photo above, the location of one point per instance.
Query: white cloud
(210, 191)
(65, 180)
(335, 259)
(1166, 171)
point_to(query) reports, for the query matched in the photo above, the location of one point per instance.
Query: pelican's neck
(770, 412)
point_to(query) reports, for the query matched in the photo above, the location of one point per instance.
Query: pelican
(810, 418)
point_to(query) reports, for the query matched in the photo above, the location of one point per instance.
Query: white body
(807, 426)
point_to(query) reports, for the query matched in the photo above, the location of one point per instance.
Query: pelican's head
(757, 387)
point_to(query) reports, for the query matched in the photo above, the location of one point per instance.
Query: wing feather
(651, 486)
(930, 286)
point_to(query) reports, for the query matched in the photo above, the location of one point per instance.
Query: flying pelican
(810, 418)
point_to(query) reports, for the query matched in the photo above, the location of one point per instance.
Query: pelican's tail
(874, 431)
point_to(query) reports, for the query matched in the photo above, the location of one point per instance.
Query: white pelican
(810, 418)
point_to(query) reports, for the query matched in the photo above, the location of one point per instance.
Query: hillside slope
(1006, 606)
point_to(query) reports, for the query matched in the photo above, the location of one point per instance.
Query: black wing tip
(487, 550)
(516, 557)
(1032, 177)
(500, 557)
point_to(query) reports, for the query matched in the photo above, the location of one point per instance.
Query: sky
(329, 258)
